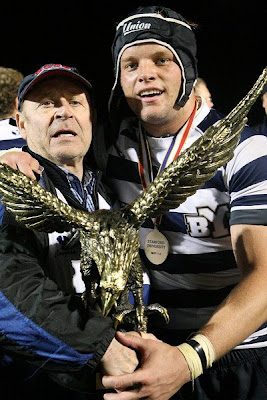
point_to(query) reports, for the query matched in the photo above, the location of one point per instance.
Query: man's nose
(147, 71)
(63, 110)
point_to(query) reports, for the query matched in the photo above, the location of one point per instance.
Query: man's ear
(20, 121)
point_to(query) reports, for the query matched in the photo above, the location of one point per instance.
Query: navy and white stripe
(200, 270)
(9, 135)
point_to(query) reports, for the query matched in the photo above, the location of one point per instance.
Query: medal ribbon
(144, 157)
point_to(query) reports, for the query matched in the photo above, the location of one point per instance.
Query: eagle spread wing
(36, 207)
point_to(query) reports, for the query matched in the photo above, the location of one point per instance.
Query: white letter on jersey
(207, 223)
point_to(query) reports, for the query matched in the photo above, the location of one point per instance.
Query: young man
(214, 279)
(43, 320)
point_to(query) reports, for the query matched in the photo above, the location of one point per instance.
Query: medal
(156, 244)
(156, 247)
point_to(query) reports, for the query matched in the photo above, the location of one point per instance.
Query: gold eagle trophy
(111, 238)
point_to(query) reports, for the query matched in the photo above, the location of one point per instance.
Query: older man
(43, 319)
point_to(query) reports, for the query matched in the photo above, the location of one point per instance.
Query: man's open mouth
(150, 93)
(64, 133)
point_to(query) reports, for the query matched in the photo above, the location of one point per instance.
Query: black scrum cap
(163, 26)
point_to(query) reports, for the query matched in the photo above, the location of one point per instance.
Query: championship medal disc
(156, 247)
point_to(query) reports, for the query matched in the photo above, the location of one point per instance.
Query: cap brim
(56, 72)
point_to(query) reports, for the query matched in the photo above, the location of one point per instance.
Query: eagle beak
(108, 302)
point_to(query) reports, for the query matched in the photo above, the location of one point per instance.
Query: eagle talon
(120, 316)
(151, 308)
(139, 321)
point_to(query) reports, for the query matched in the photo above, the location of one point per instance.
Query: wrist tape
(199, 354)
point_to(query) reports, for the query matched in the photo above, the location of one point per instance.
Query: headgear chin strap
(162, 26)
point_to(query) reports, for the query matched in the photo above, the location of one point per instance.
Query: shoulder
(10, 135)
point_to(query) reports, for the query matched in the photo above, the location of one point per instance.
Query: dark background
(231, 38)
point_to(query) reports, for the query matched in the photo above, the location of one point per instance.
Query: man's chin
(151, 118)
(62, 158)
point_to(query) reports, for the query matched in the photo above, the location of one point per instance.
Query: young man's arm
(20, 160)
(163, 370)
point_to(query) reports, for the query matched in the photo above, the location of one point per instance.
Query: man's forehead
(57, 85)
(61, 82)
(146, 48)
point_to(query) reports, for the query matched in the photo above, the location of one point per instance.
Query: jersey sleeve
(246, 179)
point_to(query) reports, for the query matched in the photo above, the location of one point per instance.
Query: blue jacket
(42, 319)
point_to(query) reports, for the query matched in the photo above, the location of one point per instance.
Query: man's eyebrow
(42, 93)
(51, 94)
(128, 58)
(157, 54)
(163, 53)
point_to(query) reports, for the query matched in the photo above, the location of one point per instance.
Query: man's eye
(131, 66)
(163, 61)
(46, 103)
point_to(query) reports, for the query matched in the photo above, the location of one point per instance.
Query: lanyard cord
(144, 156)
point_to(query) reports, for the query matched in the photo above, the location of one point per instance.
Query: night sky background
(231, 37)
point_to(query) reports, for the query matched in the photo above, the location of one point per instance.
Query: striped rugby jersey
(9, 134)
(200, 269)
